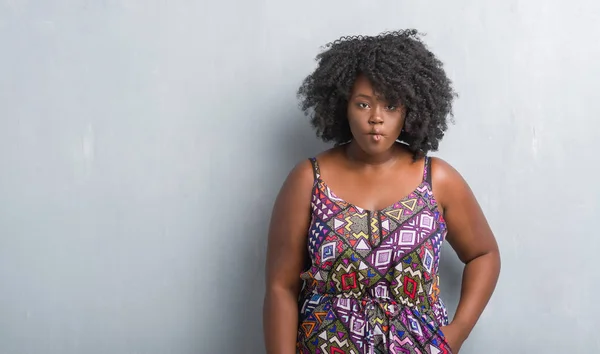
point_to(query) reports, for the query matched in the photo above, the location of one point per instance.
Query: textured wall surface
(142, 144)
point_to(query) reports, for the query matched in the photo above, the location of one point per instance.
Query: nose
(375, 118)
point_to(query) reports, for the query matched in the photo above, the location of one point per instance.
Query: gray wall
(142, 144)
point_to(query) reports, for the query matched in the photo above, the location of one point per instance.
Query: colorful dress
(372, 286)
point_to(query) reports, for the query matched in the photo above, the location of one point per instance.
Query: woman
(356, 232)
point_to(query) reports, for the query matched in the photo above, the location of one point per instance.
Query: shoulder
(327, 159)
(295, 192)
(442, 172)
(447, 183)
(302, 174)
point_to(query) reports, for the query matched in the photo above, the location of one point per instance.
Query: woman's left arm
(470, 236)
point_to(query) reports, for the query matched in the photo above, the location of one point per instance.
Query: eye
(391, 108)
(363, 105)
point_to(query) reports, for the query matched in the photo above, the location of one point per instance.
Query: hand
(454, 336)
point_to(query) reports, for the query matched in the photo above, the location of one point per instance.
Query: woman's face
(375, 124)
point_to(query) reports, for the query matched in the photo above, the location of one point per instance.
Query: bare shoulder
(300, 179)
(298, 184)
(442, 172)
(447, 183)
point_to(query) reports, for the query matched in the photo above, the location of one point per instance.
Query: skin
(386, 172)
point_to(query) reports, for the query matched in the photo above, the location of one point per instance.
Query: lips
(376, 135)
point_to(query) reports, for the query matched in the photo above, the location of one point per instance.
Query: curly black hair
(400, 68)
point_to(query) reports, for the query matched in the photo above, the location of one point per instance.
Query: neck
(355, 154)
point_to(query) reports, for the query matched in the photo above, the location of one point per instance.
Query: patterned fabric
(372, 286)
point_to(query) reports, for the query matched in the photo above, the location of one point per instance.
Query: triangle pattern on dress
(362, 245)
(410, 204)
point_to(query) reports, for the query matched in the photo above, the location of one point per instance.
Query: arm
(286, 252)
(471, 237)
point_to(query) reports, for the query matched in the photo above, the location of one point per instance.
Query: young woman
(356, 232)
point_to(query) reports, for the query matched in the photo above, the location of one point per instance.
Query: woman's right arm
(286, 252)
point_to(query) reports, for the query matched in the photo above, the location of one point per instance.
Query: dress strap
(427, 170)
(316, 170)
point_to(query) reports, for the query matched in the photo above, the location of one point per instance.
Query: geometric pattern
(373, 284)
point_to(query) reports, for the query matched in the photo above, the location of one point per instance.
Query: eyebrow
(363, 95)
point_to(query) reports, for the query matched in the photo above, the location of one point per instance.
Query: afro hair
(401, 70)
